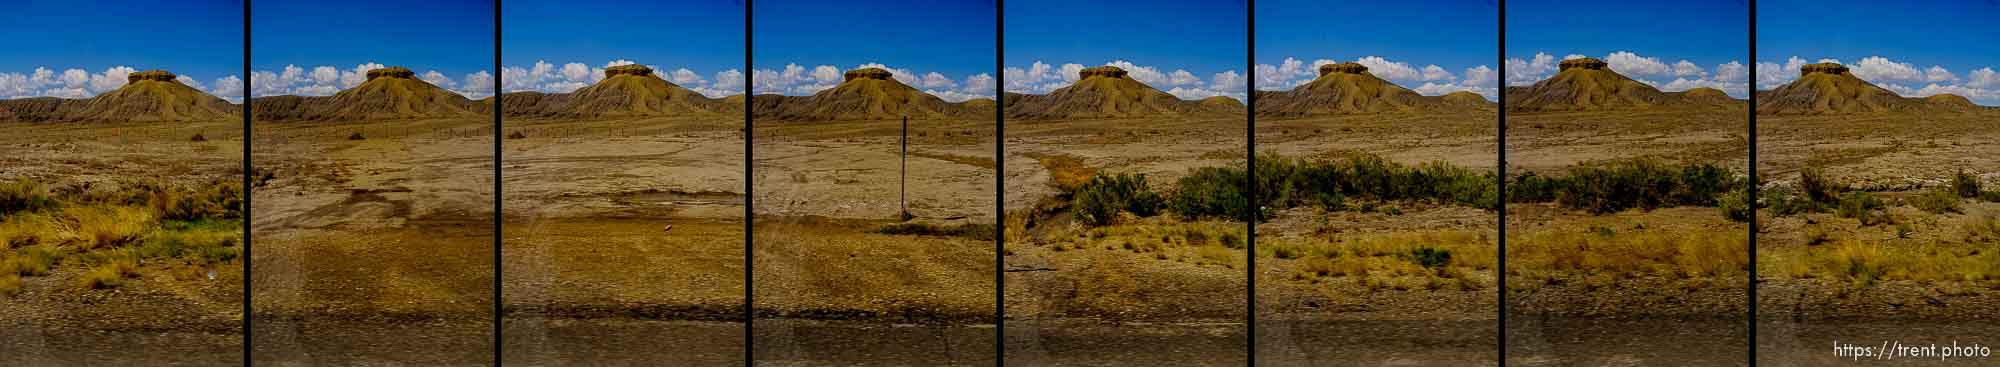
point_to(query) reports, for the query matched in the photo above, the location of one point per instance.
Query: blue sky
(74, 50)
(1193, 49)
(1916, 48)
(306, 47)
(1433, 46)
(943, 47)
(1674, 45)
(697, 44)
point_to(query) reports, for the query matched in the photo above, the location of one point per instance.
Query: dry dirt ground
(1919, 273)
(1680, 263)
(623, 227)
(823, 188)
(373, 242)
(1309, 320)
(169, 313)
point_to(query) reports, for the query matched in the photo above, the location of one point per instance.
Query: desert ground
(1180, 282)
(1583, 267)
(835, 263)
(1906, 232)
(1344, 273)
(374, 242)
(618, 227)
(117, 246)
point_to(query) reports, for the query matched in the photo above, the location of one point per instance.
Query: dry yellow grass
(1402, 260)
(1718, 253)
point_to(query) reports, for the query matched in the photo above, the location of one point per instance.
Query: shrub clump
(1965, 185)
(1615, 186)
(24, 196)
(1292, 182)
(1217, 192)
(1099, 201)
(1939, 200)
(1863, 206)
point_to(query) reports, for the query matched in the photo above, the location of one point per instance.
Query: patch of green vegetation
(1640, 183)
(1939, 200)
(1213, 192)
(1100, 201)
(1965, 184)
(1293, 182)
(1863, 206)
(114, 232)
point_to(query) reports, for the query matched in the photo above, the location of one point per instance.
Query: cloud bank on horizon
(324, 80)
(800, 80)
(77, 83)
(1981, 85)
(1042, 78)
(1730, 77)
(1429, 80)
(547, 77)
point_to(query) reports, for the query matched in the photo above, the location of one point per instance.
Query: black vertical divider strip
(499, 218)
(749, 192)
(1754, 183)
(1250, 147)
(1500, 148)
(1000, 184)
(248, 170)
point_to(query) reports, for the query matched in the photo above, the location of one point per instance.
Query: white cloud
(478, 85)
(683, 76)
(1881, 69)
(322, 75)
(1685, 68)
(1526, 72)
(1434, 73)
(112, 78)
(1732, 71)
(575, 71)
(1229, 82)
(1480, 76)
(1386, 69)
(438, 79)
(75, 78)
(1938, 74)
(191, 83)
(934, 80)
(230, 88)
(1983, 78)
(1631, 64)
(67, 93)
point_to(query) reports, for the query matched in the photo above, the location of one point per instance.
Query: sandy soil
(357, 236)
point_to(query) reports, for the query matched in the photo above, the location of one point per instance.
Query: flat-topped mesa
(158, 75)
(1585, 63)
(633, 70)
(868, 73)
(1103, 71)
(1343, 68)
(1824, 67)
(392, 72)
